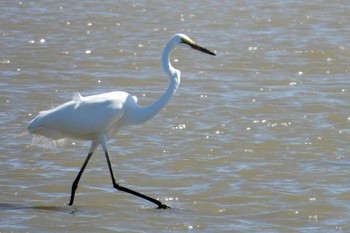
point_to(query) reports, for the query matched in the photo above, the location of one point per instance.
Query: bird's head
(185, 40)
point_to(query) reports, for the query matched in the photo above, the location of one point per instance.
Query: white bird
(99, 117)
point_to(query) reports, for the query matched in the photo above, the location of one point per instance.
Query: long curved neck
(147, 112)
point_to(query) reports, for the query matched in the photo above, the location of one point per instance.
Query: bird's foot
(163, 206)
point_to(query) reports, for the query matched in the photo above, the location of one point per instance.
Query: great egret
(98, 117)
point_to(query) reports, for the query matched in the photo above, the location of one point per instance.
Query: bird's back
(81, 118)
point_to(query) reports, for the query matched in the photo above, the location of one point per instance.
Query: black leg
(123, 189)
(76, 181)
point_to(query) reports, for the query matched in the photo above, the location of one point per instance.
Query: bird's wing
(82, 118)
(98, 113)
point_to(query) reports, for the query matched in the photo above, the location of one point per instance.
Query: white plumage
(83, 117)
(99, 117)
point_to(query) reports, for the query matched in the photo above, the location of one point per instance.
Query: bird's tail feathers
(47, 143)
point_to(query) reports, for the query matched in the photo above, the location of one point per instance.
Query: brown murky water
(255, 140)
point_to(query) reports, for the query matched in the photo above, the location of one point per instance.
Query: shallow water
(255, 139)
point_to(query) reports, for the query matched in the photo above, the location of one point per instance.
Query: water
(255, 140)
